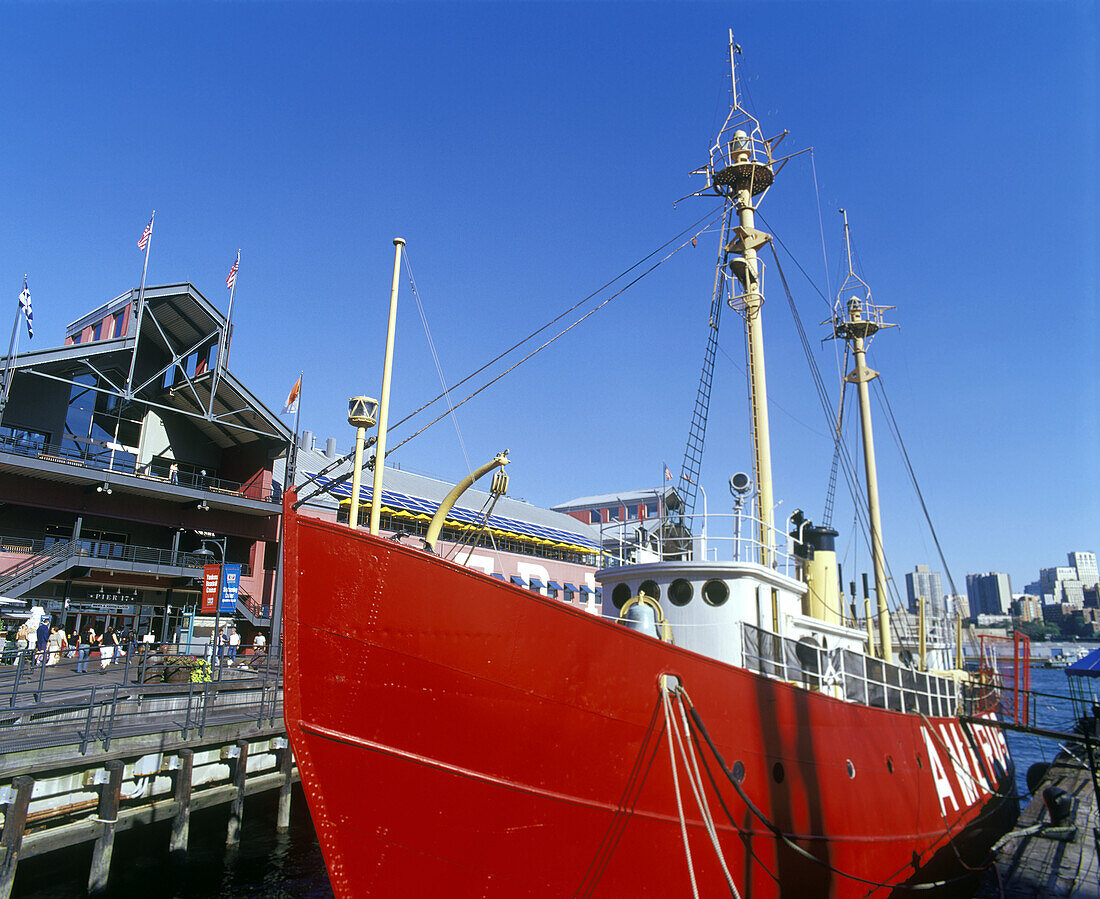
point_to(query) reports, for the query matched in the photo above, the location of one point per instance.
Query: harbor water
(1051, 711)
(290, 865)
(267, 865)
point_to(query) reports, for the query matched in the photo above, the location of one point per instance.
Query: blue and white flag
(25, 305)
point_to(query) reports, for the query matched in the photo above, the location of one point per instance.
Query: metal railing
(58, 704)
(713, 537)
(102, 459)
(56, 554)
(850, 675)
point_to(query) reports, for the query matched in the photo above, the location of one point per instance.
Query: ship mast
(857, 320)
(741, 169)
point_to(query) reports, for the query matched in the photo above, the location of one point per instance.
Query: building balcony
(96, 466)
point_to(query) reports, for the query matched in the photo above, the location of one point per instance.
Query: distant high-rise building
(923, 581)
(989, 593)
(1062, 585)
(1085, 566)
(1027, 607)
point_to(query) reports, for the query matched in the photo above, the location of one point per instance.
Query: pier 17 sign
(223, 581)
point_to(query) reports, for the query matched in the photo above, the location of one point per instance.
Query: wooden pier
(82, 768)
(1053, 856)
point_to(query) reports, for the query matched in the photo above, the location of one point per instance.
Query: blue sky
(528, 153)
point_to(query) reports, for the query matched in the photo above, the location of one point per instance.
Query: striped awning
(404, 505)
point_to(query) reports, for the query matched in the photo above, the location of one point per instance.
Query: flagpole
(141, 306)
(9, 369)
(294, 445)
(223, 349)
(288, 478)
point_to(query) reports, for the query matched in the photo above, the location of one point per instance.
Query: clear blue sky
(528, 153)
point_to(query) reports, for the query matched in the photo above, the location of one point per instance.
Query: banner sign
(231, 585)
(211, 575)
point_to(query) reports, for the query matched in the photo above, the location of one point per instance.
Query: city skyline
(530, 153)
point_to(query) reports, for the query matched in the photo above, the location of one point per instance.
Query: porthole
(620, 595)
(715, 592)
(650, 589)
(851, 770)
(680, 592)
(778, 773)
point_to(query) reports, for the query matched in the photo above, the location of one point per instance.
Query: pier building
(128, 455)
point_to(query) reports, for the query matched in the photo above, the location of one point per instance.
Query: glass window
(613, 514)
(631, 513)
(595, 516)
(116, 324)
(97, 331)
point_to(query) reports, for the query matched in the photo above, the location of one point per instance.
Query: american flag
(146, 234)
(231, 279)
(25, 305)
(668, 474)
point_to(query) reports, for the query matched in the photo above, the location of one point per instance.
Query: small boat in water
(724, 728)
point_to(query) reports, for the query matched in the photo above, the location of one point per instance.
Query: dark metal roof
(184, 317)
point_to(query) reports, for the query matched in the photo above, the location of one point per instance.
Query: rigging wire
(435, 355)
(562, 332)
(893, 424)
(708, 218)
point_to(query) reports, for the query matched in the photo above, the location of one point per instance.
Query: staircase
(39, 568)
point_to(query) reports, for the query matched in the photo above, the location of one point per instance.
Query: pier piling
(11, 839)
(236, 809)
(107, 815)
(286, 771)
(181, 821)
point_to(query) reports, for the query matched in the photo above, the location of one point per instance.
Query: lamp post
(362, 414)
(206, 551)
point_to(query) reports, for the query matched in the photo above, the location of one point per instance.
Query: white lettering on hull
(953, 742)
(939, 775)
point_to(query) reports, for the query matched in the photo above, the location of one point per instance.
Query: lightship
(724, 728)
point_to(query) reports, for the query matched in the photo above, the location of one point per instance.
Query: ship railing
(849, 675)
(716, 537)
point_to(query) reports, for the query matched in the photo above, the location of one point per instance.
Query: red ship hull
(461, 737)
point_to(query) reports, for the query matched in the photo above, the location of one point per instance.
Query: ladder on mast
(690, 470)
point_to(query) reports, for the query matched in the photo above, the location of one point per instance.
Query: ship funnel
(815, 547)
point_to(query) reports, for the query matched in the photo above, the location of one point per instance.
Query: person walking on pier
(53, 646)
(84, 649)
(107, 647)
(234, 641)
(42, 644)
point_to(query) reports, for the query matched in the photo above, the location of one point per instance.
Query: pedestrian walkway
(57, 705)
